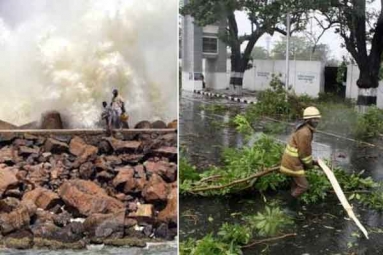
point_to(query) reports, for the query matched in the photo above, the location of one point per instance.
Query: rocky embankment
(70, 190)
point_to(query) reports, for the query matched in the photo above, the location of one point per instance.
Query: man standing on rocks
(118, 107)
(297, 156)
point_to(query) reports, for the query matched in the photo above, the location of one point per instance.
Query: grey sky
(330, 38)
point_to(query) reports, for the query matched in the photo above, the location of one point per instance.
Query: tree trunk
(237, 72)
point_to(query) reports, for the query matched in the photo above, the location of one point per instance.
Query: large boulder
(42, 198)
(172, 124)
(7, 155)
(130, 179)
(18, 218)
(158, 124)
(169, 214)
(106, 225)
(55, 146)
(167, 170)
(155, 190)
(79, 148)
(88, 198)
(51, 120)
(8, 178)
(120, 146)
(143, 125)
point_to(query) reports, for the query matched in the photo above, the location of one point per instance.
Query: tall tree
(362, 31)
(266, 16)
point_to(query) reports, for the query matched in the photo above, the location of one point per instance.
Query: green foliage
(372, 200)
(208, 246)
(231, 237)
(370, 124)
(341, 72)
(243, 126)
(241, 163)
(187, 171)
(239, 234)
(270, 222)
(274, 128)
(319, 186)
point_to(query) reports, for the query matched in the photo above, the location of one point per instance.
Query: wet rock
(126, 241)
(169, 214)
(26, 151)
(106, 225)
(8, 179)
(155, 190)
(88, 198)
(13, 193)
(148, 230)
(162, 231)
(55, 146)
(51, 120)
(143, 125)
(100, 164)
(82, 150)
(168, 171)
(44, 229)
(166, 151)
(8, 204)
(105, 147)
(7, 155)
(113, 161)
(120, 146)
(37, 174)
(129, 179)
(130, 222)
(22, 142)
(7, 138)
(21, 239)
(71, 233)
(30, 137)
(159, 124)
(172, 124)
(144, 213)
(131, 158)
(43, 216)
(18, 218)
(62, 219)
(52, 244)
(42, 198)
(105, 176)
(87, 171)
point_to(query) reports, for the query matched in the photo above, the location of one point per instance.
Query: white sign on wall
(263, 74)
(306, 77)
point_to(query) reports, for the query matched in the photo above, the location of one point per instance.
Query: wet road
(324, 229)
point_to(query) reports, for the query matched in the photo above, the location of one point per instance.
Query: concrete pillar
(191, 54)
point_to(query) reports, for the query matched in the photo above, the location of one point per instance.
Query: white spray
(69, 55)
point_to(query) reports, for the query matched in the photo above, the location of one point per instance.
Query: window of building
(210, 45)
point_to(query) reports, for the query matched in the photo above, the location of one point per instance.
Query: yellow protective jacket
(297, 155)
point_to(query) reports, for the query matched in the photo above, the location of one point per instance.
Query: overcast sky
(330, 38)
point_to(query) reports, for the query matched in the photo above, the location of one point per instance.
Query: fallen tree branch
(210, 178)
(269, 240)
(256, 175)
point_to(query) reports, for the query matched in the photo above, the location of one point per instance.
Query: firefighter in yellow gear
(297, 156)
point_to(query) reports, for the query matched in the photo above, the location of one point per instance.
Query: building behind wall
(198, 44)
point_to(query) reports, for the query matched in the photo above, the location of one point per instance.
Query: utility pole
(287, 50)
